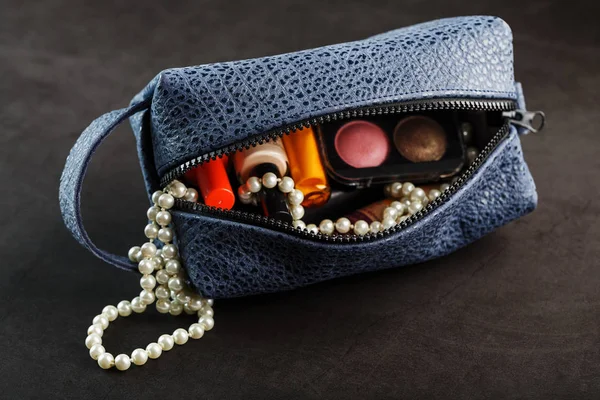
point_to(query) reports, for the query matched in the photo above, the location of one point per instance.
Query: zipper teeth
(257, 219)
(397, 108)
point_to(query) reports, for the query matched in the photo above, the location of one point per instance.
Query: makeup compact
(383, 149)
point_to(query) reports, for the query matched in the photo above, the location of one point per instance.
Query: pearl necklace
(163, 278)
(411, 200)
(162, 281)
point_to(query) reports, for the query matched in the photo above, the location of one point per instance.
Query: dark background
(515, 315)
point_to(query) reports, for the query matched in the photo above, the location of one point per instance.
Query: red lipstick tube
(213, 184)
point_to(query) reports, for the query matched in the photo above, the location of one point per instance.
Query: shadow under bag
(187, 116)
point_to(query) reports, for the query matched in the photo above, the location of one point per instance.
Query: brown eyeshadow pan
(420, 139)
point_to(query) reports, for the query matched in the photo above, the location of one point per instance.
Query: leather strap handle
(74, 172)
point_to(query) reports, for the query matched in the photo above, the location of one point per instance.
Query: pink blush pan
(362, 144)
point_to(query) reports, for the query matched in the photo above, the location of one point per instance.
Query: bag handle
(72, 178)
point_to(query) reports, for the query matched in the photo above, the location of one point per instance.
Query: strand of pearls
(162, 282)
(411, 199)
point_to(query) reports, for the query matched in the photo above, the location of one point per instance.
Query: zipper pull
(532, 121)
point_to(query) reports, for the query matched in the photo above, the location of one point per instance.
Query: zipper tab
(532, 121)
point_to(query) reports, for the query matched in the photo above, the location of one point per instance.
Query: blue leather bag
(186, 116)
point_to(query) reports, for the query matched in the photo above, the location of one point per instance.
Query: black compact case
(395, 167)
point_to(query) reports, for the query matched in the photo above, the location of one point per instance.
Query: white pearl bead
(415, 207)
(390, 212)
(137, 306)
(327, 227)
(163, 306)
(407, 187)
(180, 336)
(417, 194)
(433, 194)
(96, 351)
(406, 201)
(101, 320)
(175, 283)
(375, 226)
(175, 308)
(444, 187)
(210, 302)
(396, 189)
(151, 231)
(387, 223)
(166, 342)
(398, 206)
(165, 235)
(206, 310)
(173, 267)
(269, 180)
(158, 260)
(132, 253)
(147, 297)
(207, 322)
(162, 276)
(244, 194)
(254, 184)
(162, 292)
(299, 224)
(297, 211)
(166, 201)
(110, 312)
(286, 185)
(95, 329)
(154, 350)
(139, 356)
(124, 308)
(156, 195)
(295, 197)
(163, 218)
(92, 340)
(187, 309)
(177, 189)
(312, 228)
(191, 194)
(106, 360)
(361, 227)
(195, 303)
(122, 362)
(196, 331)
(151, 213)
(169, 251)
(148, 249)
(342, 225)
(183, 297)
(146, 266)
(148, 282)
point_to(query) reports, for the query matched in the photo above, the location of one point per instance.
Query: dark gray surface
(513, 315)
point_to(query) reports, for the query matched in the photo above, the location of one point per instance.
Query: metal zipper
(415, 106)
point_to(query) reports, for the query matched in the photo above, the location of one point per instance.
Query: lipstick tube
(213, 184)
(306, 167)
(244, 162)
(272, 201)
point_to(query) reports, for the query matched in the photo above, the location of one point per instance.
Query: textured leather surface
(228, 259)
(200, 109)
(72, 178)
(186, 112)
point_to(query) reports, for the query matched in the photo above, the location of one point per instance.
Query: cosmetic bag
(187, 116)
